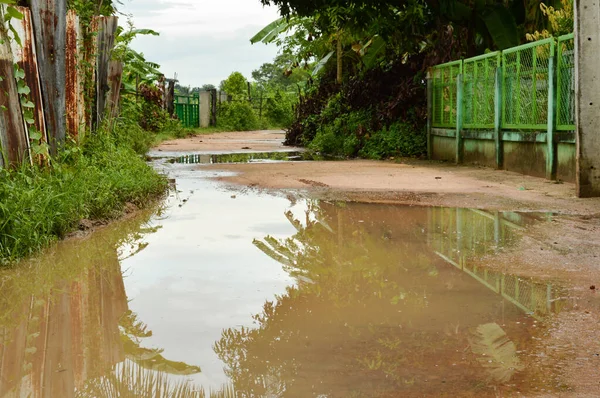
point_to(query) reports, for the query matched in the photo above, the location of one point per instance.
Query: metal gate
(187, 109)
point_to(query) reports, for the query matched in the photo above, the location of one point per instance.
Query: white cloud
(203, 41)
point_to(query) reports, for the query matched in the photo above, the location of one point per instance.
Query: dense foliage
(368, 62)
(268, 102)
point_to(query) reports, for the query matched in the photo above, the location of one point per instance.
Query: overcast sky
(203, 41)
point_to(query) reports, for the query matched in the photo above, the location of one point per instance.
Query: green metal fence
(565, 83)
(525, 84)
(187, 109)
(527, 74)
(444, 94)
(479, 89)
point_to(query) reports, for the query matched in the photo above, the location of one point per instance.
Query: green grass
(94, 181)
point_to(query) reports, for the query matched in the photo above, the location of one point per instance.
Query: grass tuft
(94, 181)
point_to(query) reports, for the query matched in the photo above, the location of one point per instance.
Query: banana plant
(136, 69)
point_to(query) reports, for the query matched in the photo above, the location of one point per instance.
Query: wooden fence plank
(107, 27)
(49, 22)
(115, 75)
(13, 138)
(26, 57)
(75, 99)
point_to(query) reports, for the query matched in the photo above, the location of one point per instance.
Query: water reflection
(378, 311)
(65, 319)
(260, 157)
(460, 236)
(363, 300)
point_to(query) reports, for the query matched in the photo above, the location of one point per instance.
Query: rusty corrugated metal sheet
(13, 138)
(89, 71)
(26, 57)
(73, 76)
(49, 22)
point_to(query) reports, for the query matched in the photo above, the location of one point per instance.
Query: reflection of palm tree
(496, 352)
(370, 314)
(145, 372)
(132, 381)
(132, 333)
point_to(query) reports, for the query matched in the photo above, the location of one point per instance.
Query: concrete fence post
(587, 94)
(498, 119)
(459, 118)
(552, 147)
(205, 109)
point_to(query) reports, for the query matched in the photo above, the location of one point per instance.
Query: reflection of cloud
(202, 41)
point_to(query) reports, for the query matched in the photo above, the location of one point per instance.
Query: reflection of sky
(201, 272)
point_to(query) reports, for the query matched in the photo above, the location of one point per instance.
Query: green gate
(187, 109)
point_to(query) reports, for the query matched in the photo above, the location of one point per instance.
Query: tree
(282, 73)
(208, 87)
(236, 85)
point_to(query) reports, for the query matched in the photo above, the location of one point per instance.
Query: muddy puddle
(274, 296)
(259, 157)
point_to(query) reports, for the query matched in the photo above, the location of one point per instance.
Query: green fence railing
(522, 94)
(479, 89)
(444, 93)
(187, 109)
(525, 83)
(565, 83)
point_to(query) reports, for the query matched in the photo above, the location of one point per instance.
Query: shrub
(237, 116)
(343, 134)
(400, 139)
(279, 109)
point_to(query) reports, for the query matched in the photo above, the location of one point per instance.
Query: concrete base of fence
(525, 153)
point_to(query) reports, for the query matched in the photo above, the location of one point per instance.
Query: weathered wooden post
(107, 27)
(50, 27)
(25, 56)
(170, 97)
(115, 75)
(429, 83)
(587, 94)
(13, 139)
(213, 107)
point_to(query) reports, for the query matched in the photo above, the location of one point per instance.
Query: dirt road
(252, 141)
(399, 181)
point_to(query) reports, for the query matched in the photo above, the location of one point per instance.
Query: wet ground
(280, 294)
